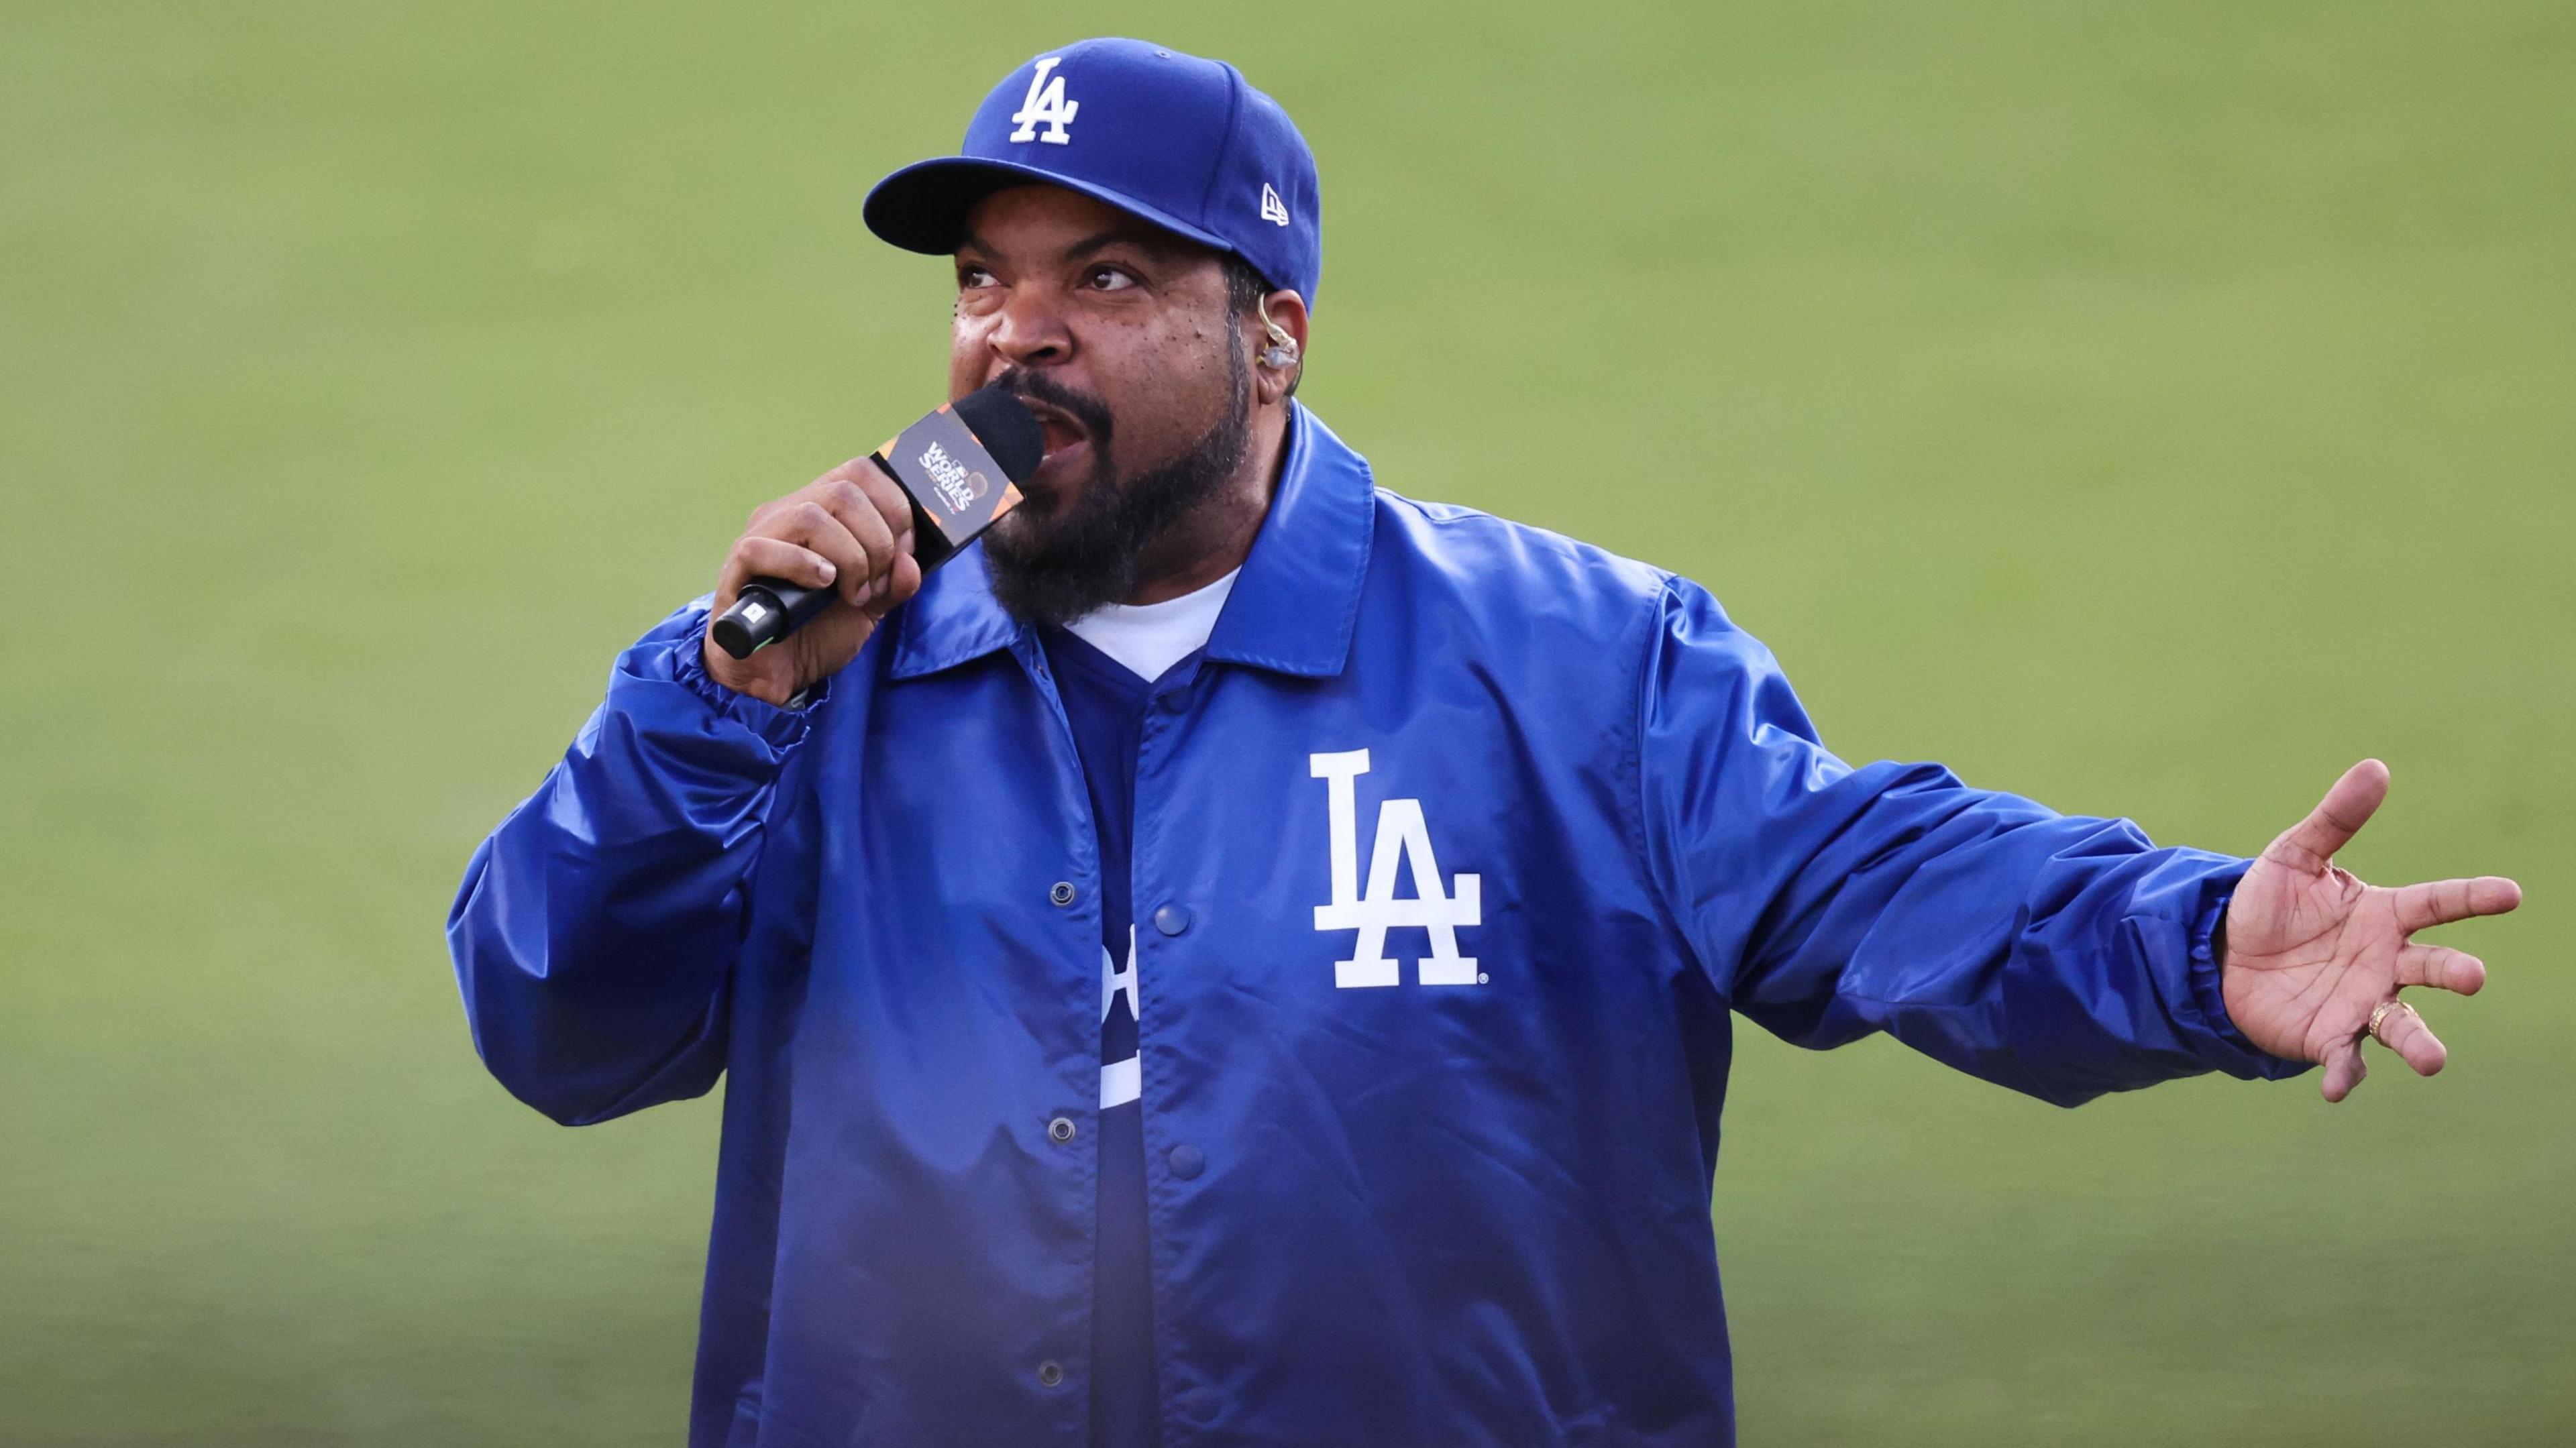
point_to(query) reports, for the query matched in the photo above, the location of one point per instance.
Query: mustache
(1034, 386)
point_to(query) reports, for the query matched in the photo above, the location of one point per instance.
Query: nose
(1029, 330)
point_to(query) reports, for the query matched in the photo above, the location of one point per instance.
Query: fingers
(2403, 1031)
(832, 518)
(849, 530)
(881, 492)
(902, 581)
(878, 515)
(782, 531)
(2439, 902)
(850, 506)
(2442, 968)
(2311, 843)
(2344, 1070)
(778, 558)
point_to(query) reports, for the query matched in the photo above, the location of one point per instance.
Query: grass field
(2151, 408)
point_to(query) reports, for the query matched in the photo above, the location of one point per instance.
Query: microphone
(961, 466)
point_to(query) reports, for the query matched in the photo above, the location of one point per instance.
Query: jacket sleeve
(2060, 956)
(596, 929)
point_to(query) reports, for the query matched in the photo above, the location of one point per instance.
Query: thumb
(2311, 844)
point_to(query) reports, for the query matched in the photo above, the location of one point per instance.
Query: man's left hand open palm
(2312, 952)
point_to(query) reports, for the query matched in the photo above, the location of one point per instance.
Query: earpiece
(1282, 351)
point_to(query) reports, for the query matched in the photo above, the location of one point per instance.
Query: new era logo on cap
(1183, 142)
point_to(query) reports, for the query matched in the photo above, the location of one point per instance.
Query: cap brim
(923, 206)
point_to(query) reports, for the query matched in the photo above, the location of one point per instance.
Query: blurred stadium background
(2151, 408)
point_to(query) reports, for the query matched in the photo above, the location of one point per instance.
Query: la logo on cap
(1046, 106)
(1180, 141)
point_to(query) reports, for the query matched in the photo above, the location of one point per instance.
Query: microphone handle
(769, 609)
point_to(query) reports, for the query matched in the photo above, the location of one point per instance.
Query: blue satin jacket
(1450, 867)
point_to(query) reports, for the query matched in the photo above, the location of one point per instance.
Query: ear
(1280, 349)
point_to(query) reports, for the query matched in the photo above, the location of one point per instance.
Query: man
(1244, 957)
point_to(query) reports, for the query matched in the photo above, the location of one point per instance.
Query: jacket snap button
(1172, 919)
(1060, 1129)
(1050, 1374)
(1187, 1163)
(1175, 700)
(1062, 894)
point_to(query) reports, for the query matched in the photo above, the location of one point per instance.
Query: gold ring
(2379, 1017)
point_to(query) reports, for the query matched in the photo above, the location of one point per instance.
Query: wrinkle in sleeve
(2060, 956)
(595, 929)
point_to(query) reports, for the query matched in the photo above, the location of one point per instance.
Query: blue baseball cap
(1183, 142)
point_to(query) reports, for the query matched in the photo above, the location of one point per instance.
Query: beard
(1052, 568)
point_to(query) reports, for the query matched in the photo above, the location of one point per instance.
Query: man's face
(1122, 339)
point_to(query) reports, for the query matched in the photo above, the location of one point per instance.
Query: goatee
(1056, 568)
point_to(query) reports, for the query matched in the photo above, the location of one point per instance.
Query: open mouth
(1062, 431)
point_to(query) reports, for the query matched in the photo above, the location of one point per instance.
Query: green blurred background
(2151, 408)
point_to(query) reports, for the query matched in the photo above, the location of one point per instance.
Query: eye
(1108, 279)
(970, 275)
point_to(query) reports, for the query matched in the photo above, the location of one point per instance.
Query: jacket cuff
(780, 728)
(2224, 1045)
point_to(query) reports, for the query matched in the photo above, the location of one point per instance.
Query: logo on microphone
(1046, 106)
(958, 485)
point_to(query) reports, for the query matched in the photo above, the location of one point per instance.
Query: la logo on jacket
(1402, 838)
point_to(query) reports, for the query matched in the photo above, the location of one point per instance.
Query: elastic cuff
(780, 727)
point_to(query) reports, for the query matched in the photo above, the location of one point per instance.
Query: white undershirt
(1151, 637)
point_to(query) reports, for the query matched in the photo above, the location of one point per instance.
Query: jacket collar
(1291, 611)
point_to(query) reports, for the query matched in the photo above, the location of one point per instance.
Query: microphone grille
(1006, 428)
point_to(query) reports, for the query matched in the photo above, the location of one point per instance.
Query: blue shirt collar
(1292, 611)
